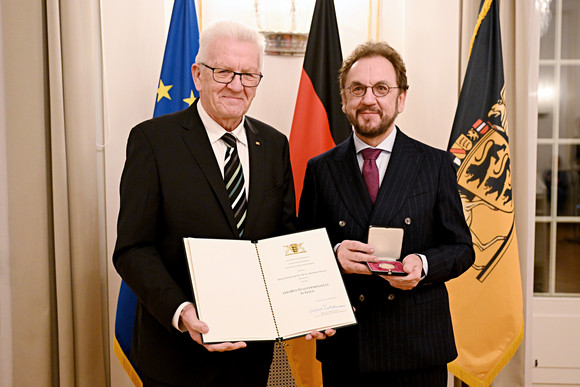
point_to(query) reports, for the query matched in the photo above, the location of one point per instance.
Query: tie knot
(370, 153)
(229, 139)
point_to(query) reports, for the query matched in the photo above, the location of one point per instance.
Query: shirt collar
(386, 144)
(215, 131)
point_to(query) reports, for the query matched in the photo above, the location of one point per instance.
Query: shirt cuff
(176, 321)
(425, 265)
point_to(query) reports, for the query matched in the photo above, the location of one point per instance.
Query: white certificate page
(304, 283)
(229, 290)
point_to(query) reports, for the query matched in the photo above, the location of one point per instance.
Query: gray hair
(228, 29)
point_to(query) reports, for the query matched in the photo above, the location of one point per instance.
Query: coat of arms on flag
(485, 187)
(486, 301)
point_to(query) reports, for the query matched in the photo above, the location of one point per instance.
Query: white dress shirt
(215, 132)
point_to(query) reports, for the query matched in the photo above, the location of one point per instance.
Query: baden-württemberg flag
(486, 301)
(175, 91)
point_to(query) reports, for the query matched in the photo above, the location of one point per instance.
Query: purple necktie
(370, 171)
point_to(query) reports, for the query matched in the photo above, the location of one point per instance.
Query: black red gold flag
(318, 123)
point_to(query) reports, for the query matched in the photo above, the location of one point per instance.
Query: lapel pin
(258, 143)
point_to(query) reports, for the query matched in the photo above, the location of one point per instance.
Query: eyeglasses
(379, 89)
(227, 76)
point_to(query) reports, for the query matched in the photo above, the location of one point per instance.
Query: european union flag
(175, 92)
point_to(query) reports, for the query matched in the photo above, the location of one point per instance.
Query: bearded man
(381, 177)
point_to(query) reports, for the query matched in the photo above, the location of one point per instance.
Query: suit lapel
(197, 141)
(399, 177)
(257, 182)
(349, 182)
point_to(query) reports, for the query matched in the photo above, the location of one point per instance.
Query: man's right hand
(353, 255)
(196, 327)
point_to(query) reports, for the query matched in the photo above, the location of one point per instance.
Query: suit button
(407, 221)
(391, 297)
(361, 298)
(341, 223)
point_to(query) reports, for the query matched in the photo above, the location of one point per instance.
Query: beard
(369, 130)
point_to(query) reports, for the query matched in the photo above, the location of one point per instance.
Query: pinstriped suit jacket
(397, 330)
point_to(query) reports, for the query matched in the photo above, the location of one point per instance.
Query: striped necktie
(234, 180)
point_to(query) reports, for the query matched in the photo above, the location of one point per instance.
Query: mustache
(370, 109)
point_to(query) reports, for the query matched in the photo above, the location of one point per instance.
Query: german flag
(318, 123)
(486, 301)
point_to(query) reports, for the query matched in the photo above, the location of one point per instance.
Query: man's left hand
(317, 335)
(413, 266)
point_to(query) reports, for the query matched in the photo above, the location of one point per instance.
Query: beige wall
(132, 55)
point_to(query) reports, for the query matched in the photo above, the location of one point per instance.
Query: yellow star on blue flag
(191, 98)
(163, 91)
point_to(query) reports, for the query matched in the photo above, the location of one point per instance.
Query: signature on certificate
(327, 308)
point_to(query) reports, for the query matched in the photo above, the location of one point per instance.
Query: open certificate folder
(276, 288)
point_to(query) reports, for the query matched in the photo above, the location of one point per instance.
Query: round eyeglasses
(379, 89)
(227, 76)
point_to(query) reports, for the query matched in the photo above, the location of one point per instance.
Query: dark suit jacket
(172, 188)
(397, 329)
